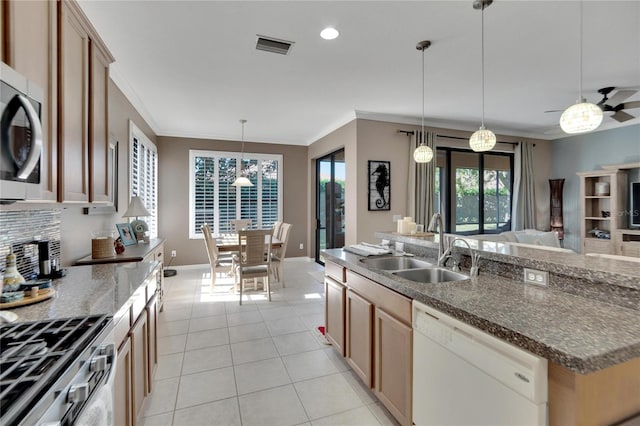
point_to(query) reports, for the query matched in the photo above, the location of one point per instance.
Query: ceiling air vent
(273, 45)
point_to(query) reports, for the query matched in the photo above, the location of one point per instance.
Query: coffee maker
(49, 268)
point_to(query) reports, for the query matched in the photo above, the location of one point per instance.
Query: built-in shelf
(593, 206)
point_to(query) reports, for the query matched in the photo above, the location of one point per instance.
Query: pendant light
(583, 116)
(483, 139)
(423, 153)
(242, 179)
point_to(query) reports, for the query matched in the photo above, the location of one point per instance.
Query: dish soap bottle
(12, 278)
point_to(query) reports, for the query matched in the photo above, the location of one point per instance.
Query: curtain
(421, 182)
(523, 215)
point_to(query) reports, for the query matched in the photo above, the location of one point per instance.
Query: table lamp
(136, 209)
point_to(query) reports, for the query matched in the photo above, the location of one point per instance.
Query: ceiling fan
(615, 103)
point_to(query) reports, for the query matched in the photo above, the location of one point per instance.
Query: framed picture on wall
(379, 185)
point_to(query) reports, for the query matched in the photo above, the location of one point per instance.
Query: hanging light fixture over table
(483, 139)
(583, 116)
(242, 180)
(423, 153)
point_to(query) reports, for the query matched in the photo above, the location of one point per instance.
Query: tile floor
(261, 363)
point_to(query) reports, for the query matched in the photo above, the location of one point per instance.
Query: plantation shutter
(214, 201)
(144, 176)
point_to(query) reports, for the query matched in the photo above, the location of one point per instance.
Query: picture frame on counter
(126, 234)
(379, 187)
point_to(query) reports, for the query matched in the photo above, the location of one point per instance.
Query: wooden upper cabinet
(99, 172)
(74, 107)
(83, 108)
(28, 31)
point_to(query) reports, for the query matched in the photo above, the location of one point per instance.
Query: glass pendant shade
(482, 140)
(423, 154)
(242, 181)
(581, 117)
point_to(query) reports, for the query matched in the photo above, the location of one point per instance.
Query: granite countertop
(89, 290)
(612, 271)
(579, 333)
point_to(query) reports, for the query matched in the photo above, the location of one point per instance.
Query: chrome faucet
(475, 256)
(436, 221)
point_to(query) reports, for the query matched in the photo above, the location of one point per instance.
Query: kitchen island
(585, 323)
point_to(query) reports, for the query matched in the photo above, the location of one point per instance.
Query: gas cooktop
(38, 358)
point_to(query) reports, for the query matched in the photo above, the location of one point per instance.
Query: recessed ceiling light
(329, 33)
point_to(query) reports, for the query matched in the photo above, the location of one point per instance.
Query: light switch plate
(533, 276)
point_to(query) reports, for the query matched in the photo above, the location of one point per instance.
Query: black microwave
(21, 138)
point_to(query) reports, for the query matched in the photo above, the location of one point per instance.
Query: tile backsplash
(19, 228)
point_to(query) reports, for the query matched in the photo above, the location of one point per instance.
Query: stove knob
(98, 363)
(78, 393)
(108, 350)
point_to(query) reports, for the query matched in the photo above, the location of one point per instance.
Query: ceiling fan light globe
(423, 154)
(482, 140)
(580, 118)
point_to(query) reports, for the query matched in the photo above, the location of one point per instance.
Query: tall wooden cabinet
(603, 202)
(28, 37)
(83, 109)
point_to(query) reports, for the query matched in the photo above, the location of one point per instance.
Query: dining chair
(254, 260)
(277, 258)
(277, 227)
(239, 224)
(216, 259)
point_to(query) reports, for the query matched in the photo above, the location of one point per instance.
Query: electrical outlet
(533, 276)
(397, 217)
(301, 246)
(174, 253)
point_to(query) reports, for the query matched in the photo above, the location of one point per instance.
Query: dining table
(229, 242)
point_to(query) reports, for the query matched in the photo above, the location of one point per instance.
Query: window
(474, 190)
(213, 200)
(144, 175)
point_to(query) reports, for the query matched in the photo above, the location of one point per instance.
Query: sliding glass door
(330, 178)
(475, 190)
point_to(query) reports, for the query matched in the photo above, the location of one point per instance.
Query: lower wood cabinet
(139, 357)
(136, 332)
(334, 313)
(378, 343)
(122, 409)
(152, 339)
(359, 345)
(393, 360)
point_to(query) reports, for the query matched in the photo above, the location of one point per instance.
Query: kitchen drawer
(122, 323)
(139, 302)
(335, 271)
(396, 304)
(152, 286)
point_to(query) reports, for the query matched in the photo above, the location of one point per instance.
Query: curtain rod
(411, 132)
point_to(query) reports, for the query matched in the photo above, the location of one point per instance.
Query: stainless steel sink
(431, 275)
(395, 263)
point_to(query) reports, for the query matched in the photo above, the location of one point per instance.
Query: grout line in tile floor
(299, 388)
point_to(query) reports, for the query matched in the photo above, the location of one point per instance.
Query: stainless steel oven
(58, 372)
(20, 136)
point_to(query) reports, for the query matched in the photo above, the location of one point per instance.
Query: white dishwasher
(463, 376)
